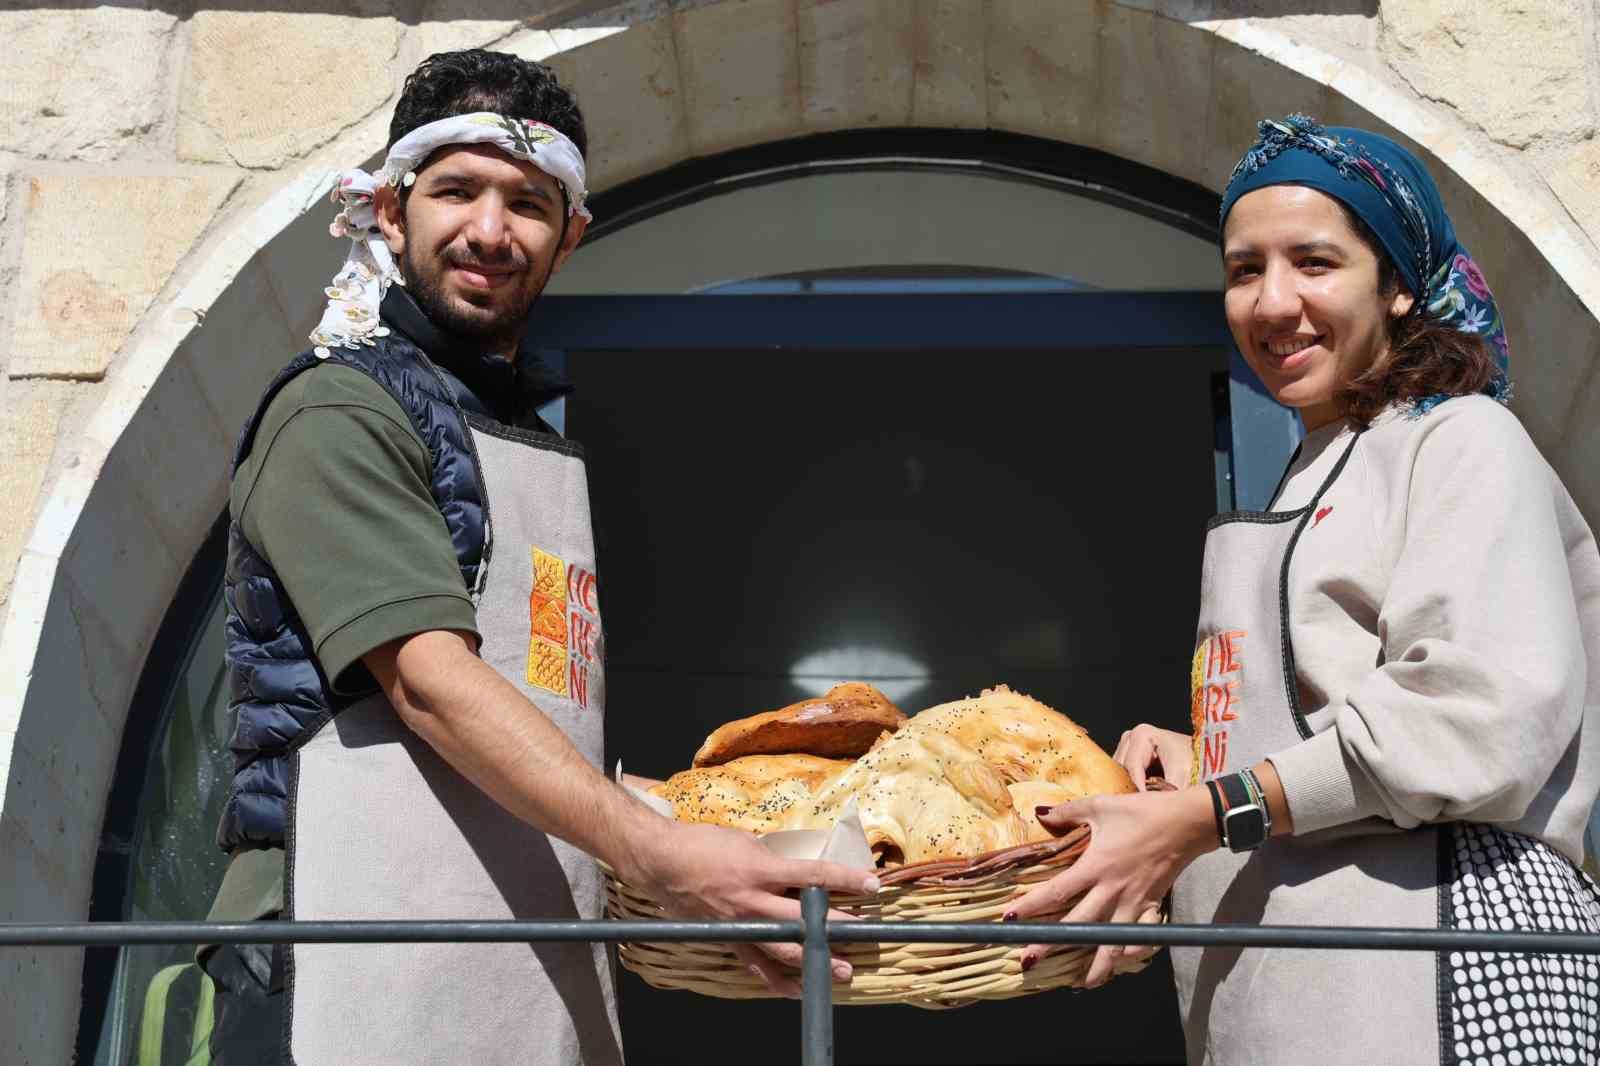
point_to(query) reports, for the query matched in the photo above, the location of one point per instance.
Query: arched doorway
(101, 567)
(963, 492)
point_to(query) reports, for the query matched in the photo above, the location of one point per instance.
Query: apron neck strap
(1338, 468)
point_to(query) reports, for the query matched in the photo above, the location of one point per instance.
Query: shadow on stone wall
(534, 14)
(545, 14)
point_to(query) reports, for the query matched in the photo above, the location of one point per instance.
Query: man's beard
(427, 290)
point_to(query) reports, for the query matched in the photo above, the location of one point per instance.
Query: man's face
(477, 239)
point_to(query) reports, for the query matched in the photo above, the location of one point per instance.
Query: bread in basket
(946, 800)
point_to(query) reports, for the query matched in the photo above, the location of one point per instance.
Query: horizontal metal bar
(1251, 936)
(414, 932)
(385, 932)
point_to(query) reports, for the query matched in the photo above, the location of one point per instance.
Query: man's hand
(1145, 746)
(493, 736)
(705, 871)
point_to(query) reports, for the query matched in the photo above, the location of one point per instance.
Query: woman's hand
(1145, 746)
(1139, 845)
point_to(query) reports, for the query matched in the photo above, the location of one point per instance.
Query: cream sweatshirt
(1445, 618)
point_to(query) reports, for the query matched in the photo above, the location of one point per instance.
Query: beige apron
(1291, 1005)
(382, 828)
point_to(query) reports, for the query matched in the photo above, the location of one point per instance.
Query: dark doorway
(932, 521)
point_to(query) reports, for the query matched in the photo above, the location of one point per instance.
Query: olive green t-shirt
(335, 496)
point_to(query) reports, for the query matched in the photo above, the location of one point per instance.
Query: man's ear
(1402, 303)
(569, 240)
(391, 217)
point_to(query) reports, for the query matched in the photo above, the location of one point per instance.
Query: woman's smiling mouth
(1290, 352)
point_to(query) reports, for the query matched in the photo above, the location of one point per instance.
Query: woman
(1399, 662)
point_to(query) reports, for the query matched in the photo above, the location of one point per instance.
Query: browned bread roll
(758, 793)
(840, 725)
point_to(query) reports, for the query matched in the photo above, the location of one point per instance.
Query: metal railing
(813, 931)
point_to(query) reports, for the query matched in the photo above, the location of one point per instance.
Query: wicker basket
(934, 976)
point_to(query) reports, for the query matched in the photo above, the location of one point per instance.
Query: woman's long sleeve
(1480, 690)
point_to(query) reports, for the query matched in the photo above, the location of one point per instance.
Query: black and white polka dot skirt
(1515, 1010)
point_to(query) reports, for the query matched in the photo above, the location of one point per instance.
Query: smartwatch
(1244, 817)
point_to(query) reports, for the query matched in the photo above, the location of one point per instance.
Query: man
(414, 629)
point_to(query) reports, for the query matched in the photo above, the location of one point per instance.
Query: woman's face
(1301, 292)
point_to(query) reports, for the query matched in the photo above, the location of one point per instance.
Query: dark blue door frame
(1253, 444)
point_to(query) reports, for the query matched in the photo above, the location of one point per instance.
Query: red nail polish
(1009, 916)
(1027, 962)
(1041, 811)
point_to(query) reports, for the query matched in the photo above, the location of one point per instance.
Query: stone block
(1155, 91)
(1576, 456)
(739, 67)
(1574, 176)
(1518, 71)
(450, 25)
(244, 340)
(538, 46)
(263, 87)
(180, 454)
(628, 87)
(41, 989)
(30, 414)
(70, 727)
(1245, 88)
(6, 172)
(117, 557)
(1550, 334)
(856, 62)
(48, 821)
(949, 64)
(84, 82)
(297, 266)
(74, 309)
(1043, 68)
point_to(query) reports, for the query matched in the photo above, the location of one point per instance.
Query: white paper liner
(845, 843)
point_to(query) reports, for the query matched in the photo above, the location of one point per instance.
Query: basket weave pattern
(934, 976)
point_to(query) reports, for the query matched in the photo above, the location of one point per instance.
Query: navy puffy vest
(277, 692)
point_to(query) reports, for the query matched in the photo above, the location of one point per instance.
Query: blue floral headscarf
(1390, 190)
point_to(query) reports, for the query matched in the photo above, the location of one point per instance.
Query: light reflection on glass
(894, 673)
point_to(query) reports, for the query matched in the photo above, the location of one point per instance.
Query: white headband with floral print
(351, 317)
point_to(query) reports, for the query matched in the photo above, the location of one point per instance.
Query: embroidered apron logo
(1213, 698)
(564, 623)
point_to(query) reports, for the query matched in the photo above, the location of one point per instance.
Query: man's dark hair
(459, 83)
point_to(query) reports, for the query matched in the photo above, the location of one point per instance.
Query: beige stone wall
(149, 133)
(156, 164)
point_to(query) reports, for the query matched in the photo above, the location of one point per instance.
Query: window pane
(176, 865)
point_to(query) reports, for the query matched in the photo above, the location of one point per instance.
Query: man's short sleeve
(335, 496)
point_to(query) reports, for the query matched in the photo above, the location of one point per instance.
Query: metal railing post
(816, 981)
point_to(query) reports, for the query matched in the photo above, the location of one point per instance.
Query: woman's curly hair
(1426, 357)
(459, 83)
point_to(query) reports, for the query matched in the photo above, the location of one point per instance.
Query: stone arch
(126, 516)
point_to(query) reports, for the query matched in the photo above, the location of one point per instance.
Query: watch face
(1247, 827)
